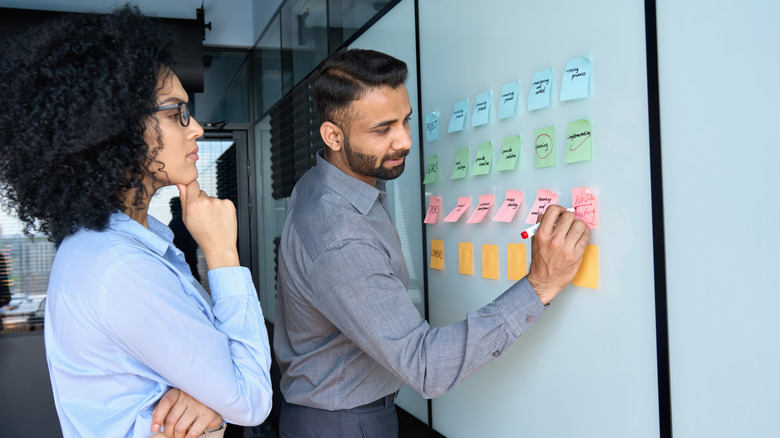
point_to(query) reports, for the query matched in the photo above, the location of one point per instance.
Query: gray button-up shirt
(346, 332)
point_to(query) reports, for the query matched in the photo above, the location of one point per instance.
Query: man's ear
(332, 136)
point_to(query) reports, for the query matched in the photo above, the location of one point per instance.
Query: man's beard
(364, 164)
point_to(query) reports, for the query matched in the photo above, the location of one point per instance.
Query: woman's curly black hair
(76, 95)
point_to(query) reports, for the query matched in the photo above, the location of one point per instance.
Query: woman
(93, 122)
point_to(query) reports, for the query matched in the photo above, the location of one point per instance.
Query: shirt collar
(361, 195)
(158, 237)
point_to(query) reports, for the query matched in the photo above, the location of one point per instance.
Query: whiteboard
(588, 368)
(394, 34)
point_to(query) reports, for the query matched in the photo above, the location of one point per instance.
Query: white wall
(719, 116)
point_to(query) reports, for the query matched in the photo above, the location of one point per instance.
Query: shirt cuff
(521, 306)
(232, 281)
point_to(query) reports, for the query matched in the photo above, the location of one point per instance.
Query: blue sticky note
(432, 127)
(510, 95)
(576, 79)
(458, 119)
(482, 109)
(541, 90)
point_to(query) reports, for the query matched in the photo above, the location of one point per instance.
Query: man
(347, 337)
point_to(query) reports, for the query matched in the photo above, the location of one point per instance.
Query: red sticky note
(434, 207)
(585, 206)
(485, 203)
(543, 199)
(510, 206)
(464, 203)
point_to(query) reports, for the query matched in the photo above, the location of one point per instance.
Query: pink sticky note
(510, 206)
(464, 204)
(485, 203)
(585, 206)
(543, 199)
(434, 207)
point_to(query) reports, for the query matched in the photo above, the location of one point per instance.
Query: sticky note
(434, 207)
(576, 79)
(509, 153)
(510, 206)
(588, 274)
(483, 159)
(464, 203)
(432, 126)
(466, 258)
(482, 109)
(431, 170)
(579, 141)
(485, 203)
(515, 260)
(543, 199)
(461, 166)
(458, 119)
(490, 261)
(585, 206)
(540, 94)
(510, 95)
(437, 254)
(544, 147)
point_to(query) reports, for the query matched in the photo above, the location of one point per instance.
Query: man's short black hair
(346, 76)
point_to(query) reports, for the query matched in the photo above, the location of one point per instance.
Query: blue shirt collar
(361, 195)
(158, 237)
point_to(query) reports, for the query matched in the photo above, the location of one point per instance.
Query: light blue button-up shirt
(126, 321)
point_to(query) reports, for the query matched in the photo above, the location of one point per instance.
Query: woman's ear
(332, 136)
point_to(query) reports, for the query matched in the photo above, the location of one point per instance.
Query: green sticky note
(509, 153)
(544, 147)
(579, 141)
(483, 159)
(461, 167)
(431, 170)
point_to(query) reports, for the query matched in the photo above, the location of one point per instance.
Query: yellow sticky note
(516, 264)
(588, 275)
(490, 261)
(437, 254)
(466, 258)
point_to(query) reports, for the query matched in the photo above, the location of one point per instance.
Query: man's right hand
(556, 252)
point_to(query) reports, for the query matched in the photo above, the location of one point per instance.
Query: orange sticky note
(490, 261)
(466, 258)
(437, 254)
(588, 274)
(516, 264)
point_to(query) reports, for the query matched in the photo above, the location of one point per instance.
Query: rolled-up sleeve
(356, 290)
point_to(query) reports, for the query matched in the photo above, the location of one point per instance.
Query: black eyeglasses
(183, 110)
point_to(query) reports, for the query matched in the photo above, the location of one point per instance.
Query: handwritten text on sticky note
(461, 166)
(510, 206)
(485, 203)
(434, 208)
(585, 206)
(543, 199)
(432, 126)
(483, 159)
(458, 119)
(464, 203)
(437, 254)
